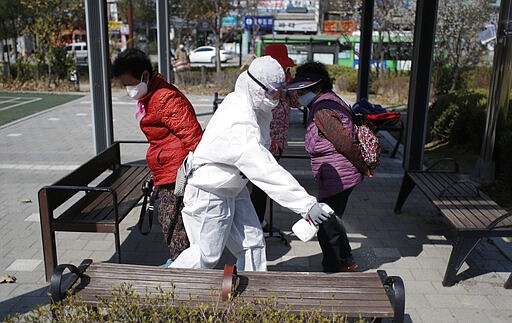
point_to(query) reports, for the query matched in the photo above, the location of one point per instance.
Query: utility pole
(101, 95)
(130, 24)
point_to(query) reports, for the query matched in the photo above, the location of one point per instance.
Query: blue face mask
(306, 99)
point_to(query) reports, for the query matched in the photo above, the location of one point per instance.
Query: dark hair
(131, 61)
(317, 70)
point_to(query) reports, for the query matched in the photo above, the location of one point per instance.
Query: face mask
(138, 91)
(306, 99)
(268, 104)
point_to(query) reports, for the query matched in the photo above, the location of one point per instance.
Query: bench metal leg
(274, 232)
(461, 250)
(48, 235)
(118, 243)
(406, 188)
(395, 289)
(399, 140)
(508, 283)
(49, 250)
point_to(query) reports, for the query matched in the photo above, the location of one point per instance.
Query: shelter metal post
(499, 89)
(99, 60)
(162, 17)
(419, 88)
(365, 50)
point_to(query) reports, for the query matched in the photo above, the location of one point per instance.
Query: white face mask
(137, 91)
(306, 99)
(268, 104)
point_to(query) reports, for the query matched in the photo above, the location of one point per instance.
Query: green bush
(458, 119)
(344, 78)
(21, 71)
(125, 305)
(442, 128)
(61, 64)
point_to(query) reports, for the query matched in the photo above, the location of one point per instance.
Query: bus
(303, 48)
(392, 50)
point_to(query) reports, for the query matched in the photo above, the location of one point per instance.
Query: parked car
(206, 54)
(79, 50)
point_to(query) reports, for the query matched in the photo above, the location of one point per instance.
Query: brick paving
(40, 149)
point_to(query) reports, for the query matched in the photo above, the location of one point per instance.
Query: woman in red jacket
(171, 127)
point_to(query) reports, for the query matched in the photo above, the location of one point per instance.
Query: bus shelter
(419, 88)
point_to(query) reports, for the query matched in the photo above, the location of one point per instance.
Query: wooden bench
(393, 126)
(471, 214)
(370, 295)
(99, 208)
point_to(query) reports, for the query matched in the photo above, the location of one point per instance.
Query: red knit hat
(279, 52)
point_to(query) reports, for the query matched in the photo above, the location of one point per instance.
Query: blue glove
(319, 212)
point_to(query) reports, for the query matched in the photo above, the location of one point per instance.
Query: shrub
(458, 119)
(125, 305)
(345, 78)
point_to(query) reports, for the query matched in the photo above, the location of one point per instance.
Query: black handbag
(148, 211)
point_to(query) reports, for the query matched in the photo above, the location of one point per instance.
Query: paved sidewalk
(40, 149)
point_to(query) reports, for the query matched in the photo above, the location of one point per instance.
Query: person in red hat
(279, 124)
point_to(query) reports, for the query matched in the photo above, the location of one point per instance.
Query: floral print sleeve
(280, 124)
(332, 128)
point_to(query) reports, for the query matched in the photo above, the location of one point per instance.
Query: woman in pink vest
(336, 159)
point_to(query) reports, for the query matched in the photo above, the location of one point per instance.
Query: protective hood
(266, 70)
(234, 146)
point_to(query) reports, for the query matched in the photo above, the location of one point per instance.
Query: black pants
(259, 200)
(332, 235)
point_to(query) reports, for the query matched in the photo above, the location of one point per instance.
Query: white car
(78, 51)
(206, 54)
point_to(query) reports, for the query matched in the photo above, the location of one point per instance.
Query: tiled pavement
(42, 148)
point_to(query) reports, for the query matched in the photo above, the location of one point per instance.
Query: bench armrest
(395, 289)
(498, 220)
(109, 190)
(81, 188)
(56, 292)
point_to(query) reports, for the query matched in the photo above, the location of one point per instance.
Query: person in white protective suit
(218, 211)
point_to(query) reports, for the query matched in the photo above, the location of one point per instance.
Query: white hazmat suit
(218, 211)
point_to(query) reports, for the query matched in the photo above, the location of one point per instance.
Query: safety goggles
(272, 91)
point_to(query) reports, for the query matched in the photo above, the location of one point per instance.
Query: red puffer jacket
(171, 127)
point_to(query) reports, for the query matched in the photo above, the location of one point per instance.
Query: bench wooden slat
(472, 212)
(353, 294)
(102, 205)
(425, 187)
(481, 211)
(296, 152)
(92, 200)
(446, 205)
(127, 187)
(454, 204)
